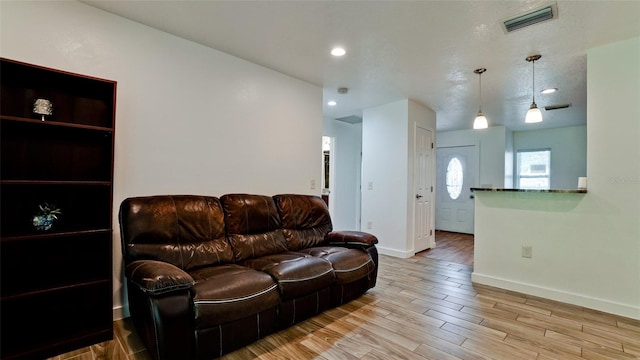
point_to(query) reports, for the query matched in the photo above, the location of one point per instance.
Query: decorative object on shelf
(42, 107)
(534, 115)
(480, 121)
(48, 214)
(582, 183)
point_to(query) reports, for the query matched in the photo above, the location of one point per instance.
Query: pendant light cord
(480, 104)
(533, 87)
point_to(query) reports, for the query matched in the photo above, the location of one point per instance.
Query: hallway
(452, 247)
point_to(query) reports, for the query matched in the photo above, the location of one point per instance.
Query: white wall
(347, 147)
(385, 162)
(387, 168)
(492, 146)
(586, 248)
(189, 120)
(568, 152)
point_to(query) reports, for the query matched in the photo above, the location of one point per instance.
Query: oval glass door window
(454, 178)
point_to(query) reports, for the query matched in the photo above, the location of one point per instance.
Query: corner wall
(387, 172)
(189, 119)
(385, 162)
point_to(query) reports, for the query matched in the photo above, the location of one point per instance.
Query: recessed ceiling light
(549, 90)
(338, 51)
(332, 103)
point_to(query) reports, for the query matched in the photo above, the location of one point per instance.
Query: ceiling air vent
(533, 17)
(556, 107)
(351, 119)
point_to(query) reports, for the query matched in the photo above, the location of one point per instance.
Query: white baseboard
(120, 312)
(395, 253)
(559, 295)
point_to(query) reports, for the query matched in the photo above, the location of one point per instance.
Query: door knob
(418, 196)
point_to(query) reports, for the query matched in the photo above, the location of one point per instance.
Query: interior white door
(422, 178)
(455, 176)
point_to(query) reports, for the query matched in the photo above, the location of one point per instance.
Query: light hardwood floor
(452, 247)
(423, 308)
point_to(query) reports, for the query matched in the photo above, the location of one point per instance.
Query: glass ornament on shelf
(48, 213)
(42, 107)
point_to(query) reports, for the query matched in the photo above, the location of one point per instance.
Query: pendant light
(480, 121)
(534, 115)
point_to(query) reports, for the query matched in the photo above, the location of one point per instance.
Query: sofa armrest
(351, 238)
(157, 277)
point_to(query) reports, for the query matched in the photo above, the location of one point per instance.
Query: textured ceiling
(422, 50)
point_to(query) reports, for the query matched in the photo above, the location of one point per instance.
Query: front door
(455, 175)
(422, 178)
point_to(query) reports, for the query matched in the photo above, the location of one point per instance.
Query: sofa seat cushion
(348, 264)
(226, 293)
(296, 274)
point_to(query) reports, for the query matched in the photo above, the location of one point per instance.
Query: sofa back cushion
(184, 230)
(253, 225)
(305, 220)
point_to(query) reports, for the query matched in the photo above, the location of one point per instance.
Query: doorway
(456, 174)
(328, 171)
(452, 247)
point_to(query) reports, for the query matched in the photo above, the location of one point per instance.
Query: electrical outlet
(369, 224)
(527, 251)
(312, 185)
(370, 185)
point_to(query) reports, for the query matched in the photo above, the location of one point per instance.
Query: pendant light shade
(480, 122)
(534, 115)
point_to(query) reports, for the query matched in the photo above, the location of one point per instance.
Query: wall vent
(545, 13)
(556, 107)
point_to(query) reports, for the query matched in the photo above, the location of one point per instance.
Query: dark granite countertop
(561, 191)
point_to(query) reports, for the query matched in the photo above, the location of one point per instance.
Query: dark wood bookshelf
(56, 285)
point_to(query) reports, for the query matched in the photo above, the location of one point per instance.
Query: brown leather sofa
(206, 276)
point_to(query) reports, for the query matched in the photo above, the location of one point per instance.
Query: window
(454, 178)
(534, 169)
